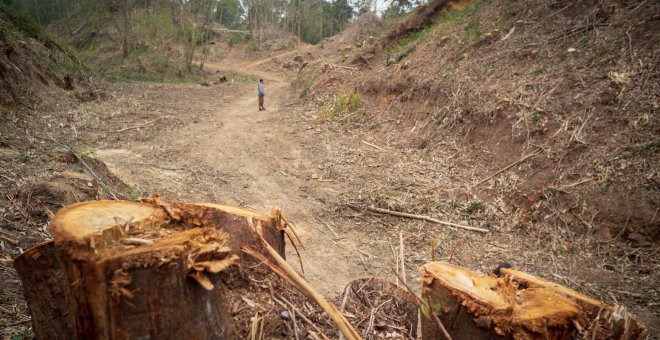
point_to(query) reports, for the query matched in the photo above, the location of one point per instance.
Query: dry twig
(343, 67)
(139, 125)
(372, 145)
(105, 186)
(403, 259)
(522, 159)
(288, 273)
(426, 218)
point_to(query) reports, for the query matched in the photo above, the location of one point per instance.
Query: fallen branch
(513, 29)
(575, 184)
(105, 186)
(229, 31)
(344, 67)
(426, 218)
(403, 259)
(292, 276)
(522, 159)
(9, 240)
(337, 237)
(327, 225)
(372, 145)
(140, 125)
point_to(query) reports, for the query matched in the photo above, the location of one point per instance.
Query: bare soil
(210, 143)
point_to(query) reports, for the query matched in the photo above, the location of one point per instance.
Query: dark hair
(261, 80)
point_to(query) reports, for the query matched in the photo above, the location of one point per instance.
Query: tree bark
(125, 270)
(47, 294)
(126, 27)
(516, 306)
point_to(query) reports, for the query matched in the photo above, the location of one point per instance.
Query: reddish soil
(455, 109)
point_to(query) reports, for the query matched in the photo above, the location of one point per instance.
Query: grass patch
(87, 154)
(356, 102)
(348, 107)
(134, 196)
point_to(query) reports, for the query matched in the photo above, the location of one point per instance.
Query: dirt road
(225, 150)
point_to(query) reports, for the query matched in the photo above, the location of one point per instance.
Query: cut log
(516, 306)
(124, 270)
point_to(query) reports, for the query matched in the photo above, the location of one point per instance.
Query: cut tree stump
(516, 305)
(125, 270)
(47, 294)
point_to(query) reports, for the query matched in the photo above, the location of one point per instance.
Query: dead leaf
(249, 302)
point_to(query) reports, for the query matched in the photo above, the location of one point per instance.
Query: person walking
(261, 93)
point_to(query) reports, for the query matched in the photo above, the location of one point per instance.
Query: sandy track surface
(225, 150)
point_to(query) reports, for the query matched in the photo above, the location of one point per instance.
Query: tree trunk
(515, 306)
(125, 270)
(47, 294)
(126, 28)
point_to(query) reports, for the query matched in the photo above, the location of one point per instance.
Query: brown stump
(47, 294)
(124, 270)
(516, 306)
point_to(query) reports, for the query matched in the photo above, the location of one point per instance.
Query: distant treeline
(309, 20)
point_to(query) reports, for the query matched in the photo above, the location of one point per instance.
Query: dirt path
(229, 152)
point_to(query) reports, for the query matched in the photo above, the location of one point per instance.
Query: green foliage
(471, 12)
(645, 150)
(244, 78)
(8, 37)
(356, 102)
(474, 206)
(87, 154)
(134, 196)
(23, 335)
(236, 38)
(424, 307)
(345, 103)
(157, 24)
(605, 187)
(342, 99)
(541, 57)
(397, 8)
(441, 117)
(251, 46)
(536, 117)
(24, 23)
(406, 46)
(473, 27)
(229, 13)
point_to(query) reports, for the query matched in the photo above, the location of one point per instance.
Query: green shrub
(356, 102)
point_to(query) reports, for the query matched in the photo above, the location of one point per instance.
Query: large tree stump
(124, 270)
(516, 306)
(47, 294)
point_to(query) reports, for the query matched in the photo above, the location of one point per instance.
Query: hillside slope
(31, 62)
(537, 119)
(41, 82)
